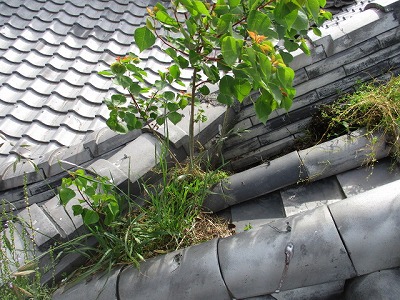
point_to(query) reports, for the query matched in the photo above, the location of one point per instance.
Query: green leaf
(226, 85)
(144, 38)
(212, 72)
(175, 71)
(171, 106)
(90, 216)
(194, 57)
(171, 52)
(304, 47)
(263, 106)
(224, 23)
(191, 27)
(204, 90)
(258, 22)
(253, 4)
(168, 95)
(233, 3)
(174, 117)
(316, 31)
(166, 19)
(90, 191)
(290, 46)
(263, 67)
(313, 7)
(130, 120)
(301, 22)
(201, 8)
(182, 62)
(106, 73)
(66, 194)
(159, 84)
(231, 49)
(113, 123)
(135, 89)
(118, 99)
(123, 81)
(225, 99)
(242, 88)
(285, 76)
(183, 102)
(77, 210)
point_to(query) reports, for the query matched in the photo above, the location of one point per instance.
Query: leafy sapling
(241, 46)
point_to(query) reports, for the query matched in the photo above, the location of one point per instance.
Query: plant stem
(191, 122)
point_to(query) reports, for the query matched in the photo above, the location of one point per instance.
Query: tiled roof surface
(50, 92)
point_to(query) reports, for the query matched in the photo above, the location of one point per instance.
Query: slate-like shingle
(50, 93)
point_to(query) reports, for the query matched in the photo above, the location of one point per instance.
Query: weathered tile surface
(257, 212)
(365, 178)
(303, 197)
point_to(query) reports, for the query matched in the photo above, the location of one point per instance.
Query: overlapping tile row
(50, 93)
(356, 48)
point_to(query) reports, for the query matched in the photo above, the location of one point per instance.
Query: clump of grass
(174, 208)
(19, 271)
(374, 106)
(127, 233)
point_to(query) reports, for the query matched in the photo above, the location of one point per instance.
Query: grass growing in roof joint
(374, 106)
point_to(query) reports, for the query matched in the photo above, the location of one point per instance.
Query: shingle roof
(50, 93)
(51, 99)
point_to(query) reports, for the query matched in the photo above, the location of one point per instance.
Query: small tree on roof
(243, 46)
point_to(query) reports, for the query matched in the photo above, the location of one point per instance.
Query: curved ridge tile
(52, 6)
(65, 90)
(50, 73)
(32, 5)
(6, 66)
(88, 92)
(18, 82)
(101, 83)
(78, 3)
(5, 109)
(121, 38)
(49, 118)
(85, 109)
(76, 122)
(89, 56)
(24, 45)
(10, 32)
(39, 132)
(80, 31)
(14, 4)
(24, 113)
(27, 70)
(58, 104)
(67, 137)
(38, 25)
(83, 67)
(59, 62)
(36, 58)
(91, 12)
(75, 78)
(18, 22)
(9, 95)
(97, 124)
(32, 98)
(52, 38)
(5, 42)
(115, 49)
(13, 127)
(103, 112)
